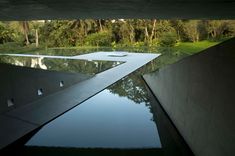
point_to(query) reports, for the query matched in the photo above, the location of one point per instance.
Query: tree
(191, 30)
(214, 28)
(163, 27)
(36, 25)
(100, 24)
(126, 31)
(179, 28)
(217, 29)
(168, 39)
(81, 28)
(25, 29)
(99, 39)
(123, 32)
(229, 30)
(154, 21)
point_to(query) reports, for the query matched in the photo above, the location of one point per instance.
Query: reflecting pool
(60, 64)
(117, 117)
(123, 119)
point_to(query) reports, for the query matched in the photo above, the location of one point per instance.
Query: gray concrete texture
(20, 85)
(171, 140)
(106, 9)
(198, 95)
(39, 112)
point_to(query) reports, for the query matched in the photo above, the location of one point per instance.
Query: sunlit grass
(182, 48)
(192, 48)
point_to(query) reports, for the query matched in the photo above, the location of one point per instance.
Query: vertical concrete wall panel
(198, 93)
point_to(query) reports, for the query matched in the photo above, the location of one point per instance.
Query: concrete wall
(198, 93)
(20, 84)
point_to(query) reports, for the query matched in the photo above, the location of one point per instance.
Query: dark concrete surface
(172, 142)
(20, 84)
(198, 95)
(13, 129)
(106, 9)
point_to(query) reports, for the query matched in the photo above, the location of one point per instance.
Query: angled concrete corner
(198, 95)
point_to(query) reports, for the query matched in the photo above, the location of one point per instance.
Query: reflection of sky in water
(105, 120)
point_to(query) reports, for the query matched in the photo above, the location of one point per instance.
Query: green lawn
(12, 48)
(188, 48)
(192, 48)
(180, 51)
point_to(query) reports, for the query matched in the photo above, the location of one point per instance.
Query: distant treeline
(125, 32)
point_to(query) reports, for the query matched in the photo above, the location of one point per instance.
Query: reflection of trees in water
(131, 87)
(74, 51)
(160, 62)
(79, 66)
(23, 61)
(75, 66)
(65, 65)
(86, 50)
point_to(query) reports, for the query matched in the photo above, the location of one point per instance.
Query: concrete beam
(106, 9)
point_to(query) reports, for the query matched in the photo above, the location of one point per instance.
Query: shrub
(99, 39)
(10, 45)
(168, 39)
(6, 34)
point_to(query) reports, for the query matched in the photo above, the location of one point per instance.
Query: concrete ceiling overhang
(106, 9)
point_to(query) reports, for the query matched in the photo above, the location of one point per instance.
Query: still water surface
(117, 117)
(124, 119)
(60, 64)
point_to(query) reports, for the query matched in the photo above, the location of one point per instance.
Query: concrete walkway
(18, 122)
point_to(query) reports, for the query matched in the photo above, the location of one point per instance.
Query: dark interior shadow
(172, 141)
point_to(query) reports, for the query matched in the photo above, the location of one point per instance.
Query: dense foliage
(99, 39)
(119, 32)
